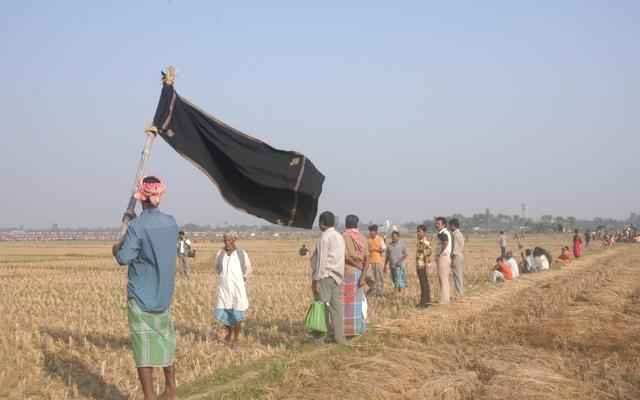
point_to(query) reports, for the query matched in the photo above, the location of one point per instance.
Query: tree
(411, 225)
(487, 219)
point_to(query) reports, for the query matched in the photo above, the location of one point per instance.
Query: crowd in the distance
(508, 268)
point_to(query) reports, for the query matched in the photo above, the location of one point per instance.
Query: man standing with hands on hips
(443, 258)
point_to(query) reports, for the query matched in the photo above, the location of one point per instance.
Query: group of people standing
(347, 267)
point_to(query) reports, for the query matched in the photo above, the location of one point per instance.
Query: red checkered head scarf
(150, 189)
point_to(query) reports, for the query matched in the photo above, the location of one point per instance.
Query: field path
(572, 333)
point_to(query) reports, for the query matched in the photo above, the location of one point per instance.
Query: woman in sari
(577, 244)
(565, 256)
(355, 272)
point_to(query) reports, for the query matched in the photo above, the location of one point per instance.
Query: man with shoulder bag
(184, 252)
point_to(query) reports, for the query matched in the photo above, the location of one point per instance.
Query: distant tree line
(481, 222)
(488, 222)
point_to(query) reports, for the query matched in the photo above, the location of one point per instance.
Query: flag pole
(168, 78)
(130, 213)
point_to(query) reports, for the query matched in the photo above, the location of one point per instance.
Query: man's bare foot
(167, 396)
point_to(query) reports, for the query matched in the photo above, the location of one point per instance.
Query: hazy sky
(410, 109)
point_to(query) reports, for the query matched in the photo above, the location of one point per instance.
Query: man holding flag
(148, 248)
(279, 186)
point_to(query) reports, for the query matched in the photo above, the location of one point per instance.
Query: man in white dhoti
(233, 268)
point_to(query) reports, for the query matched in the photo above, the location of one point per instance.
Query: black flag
(280, 186)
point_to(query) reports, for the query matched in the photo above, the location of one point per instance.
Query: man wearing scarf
(355, 272)
(148, 249)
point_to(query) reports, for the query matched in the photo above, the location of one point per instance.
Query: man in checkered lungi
(148, 249)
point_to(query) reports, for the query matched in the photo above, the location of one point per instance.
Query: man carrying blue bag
(327, 265)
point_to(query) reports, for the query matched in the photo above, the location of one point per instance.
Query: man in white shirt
(184, 245)
(457, 256)
(443, 258)
(327, 271)
(234, 268)
(513, 264)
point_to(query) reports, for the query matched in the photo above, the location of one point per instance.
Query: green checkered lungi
(153, 336)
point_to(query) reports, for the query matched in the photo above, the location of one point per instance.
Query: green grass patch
(255, 378)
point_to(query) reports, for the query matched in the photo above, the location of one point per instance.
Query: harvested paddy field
(572, 333)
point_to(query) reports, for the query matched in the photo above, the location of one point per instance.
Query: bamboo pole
(130, 213)
(168, 78)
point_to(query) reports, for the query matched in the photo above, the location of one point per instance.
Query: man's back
(336, 247)
(458, 243)
(350, 247)
(330, 253)
(531, 263)
(513, 265)
(149, 251)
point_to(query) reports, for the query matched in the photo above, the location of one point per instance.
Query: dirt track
(573, 333)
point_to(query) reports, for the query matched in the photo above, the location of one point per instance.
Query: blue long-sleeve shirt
(149, 249)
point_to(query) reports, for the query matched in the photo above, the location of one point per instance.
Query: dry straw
(572, 333)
